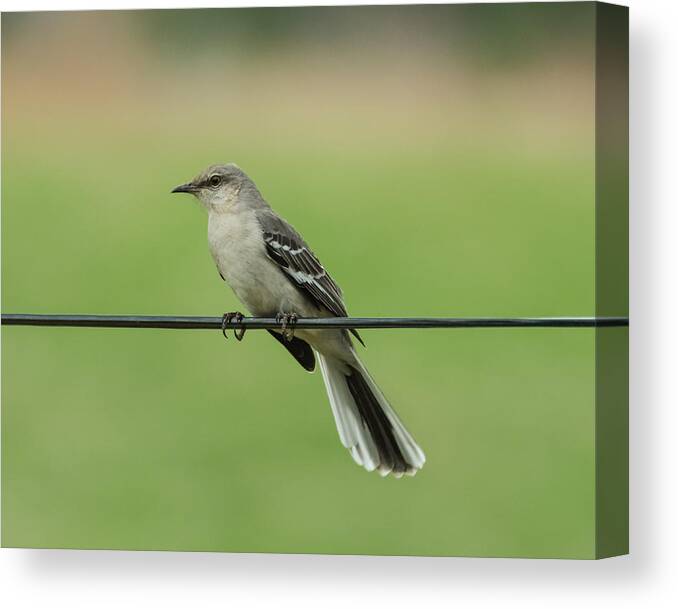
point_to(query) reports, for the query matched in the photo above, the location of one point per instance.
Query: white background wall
(73, 579)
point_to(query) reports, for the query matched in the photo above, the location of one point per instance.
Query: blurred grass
(178, 440)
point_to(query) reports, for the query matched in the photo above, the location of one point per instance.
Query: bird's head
(217, 187)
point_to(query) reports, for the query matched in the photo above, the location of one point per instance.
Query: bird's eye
(215, 180)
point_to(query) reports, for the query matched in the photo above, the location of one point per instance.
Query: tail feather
(412, 451)
(352, 433)
(366, 423)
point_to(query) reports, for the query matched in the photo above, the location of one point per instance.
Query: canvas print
(424, 207)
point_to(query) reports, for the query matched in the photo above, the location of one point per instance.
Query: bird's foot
(233, 317)
(288, 321)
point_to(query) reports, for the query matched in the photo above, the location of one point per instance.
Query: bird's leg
(288, 321)
(237, 317)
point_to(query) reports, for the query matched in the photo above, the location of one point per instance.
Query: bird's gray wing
(289, 251)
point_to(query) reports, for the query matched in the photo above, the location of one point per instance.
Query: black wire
(267, 323)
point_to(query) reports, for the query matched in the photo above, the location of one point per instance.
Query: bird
(274, 273)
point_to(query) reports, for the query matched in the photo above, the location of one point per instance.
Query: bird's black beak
(189, 187)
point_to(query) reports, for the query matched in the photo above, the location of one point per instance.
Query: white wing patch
(285, 248)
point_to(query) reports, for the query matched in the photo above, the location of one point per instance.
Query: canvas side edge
(611, 266)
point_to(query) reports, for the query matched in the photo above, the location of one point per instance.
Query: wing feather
(291, 253)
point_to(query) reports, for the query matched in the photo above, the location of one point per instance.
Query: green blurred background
(440, 162)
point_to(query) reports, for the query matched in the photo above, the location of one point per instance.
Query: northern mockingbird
(275, 274)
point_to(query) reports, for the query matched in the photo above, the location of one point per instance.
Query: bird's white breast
(238, 249)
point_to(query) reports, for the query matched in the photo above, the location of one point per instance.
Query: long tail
(366, 423)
